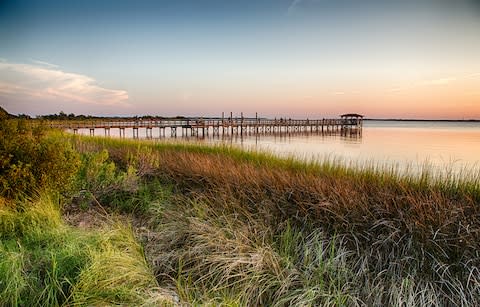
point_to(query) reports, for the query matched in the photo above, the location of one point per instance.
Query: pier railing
(87, 124)
(202, 126)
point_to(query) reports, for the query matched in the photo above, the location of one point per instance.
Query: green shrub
(32, 158)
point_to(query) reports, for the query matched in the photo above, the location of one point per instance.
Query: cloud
(44, 63)
(45, 82)
(291, 9)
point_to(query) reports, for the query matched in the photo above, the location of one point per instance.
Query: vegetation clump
(44, 262)
(5, 115)
(32, 159)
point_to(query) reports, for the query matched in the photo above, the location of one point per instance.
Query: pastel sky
(298, 59)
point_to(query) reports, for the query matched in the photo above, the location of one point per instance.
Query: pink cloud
(28, 81)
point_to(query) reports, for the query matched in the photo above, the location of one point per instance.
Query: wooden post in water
(241, 124)
(223, 124)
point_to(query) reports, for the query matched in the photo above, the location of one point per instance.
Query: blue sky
(301, 58)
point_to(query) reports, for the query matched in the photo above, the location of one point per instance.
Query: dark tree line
(63, 116)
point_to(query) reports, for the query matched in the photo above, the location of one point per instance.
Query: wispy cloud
(27, 82)
(291, 9)
(42, 63)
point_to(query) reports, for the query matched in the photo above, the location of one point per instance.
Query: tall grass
(44, 262)
(117, 273)
(365, 235)
(224, 226)
(216, 258)
(13, 282)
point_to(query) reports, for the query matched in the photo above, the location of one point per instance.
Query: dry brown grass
(414, 236)
(340, 204)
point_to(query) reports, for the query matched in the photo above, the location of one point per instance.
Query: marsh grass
(117, 273)
(250, 228)
(216, 257)
(221, 226)
(13, 281)
(44, 262)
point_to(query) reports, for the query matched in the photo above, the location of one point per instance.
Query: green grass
(44, 262)
(117, 273)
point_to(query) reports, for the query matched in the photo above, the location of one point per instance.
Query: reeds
(380, 236)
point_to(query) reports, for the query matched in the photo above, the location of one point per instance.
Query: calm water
(407, 144)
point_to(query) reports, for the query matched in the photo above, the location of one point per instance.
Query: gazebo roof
(351, 115)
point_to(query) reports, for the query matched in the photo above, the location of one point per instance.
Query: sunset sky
(298, 59)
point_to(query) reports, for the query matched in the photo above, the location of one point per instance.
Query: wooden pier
(201, 127)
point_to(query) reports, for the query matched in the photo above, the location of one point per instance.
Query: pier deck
(215, 126)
